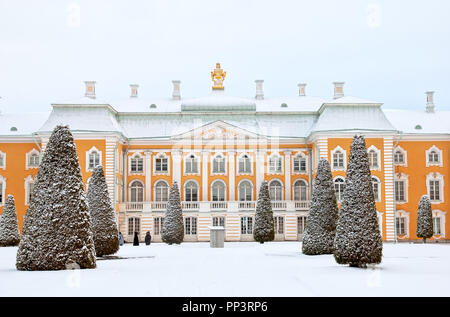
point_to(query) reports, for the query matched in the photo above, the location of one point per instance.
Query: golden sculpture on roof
(218, 76)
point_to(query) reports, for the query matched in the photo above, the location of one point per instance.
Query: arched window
(373, 159)
(191, 191)
(339, 186)
(276, 190)
(300, 190)
(245, 191)
(218, 191)
(376, 188)
(136, 191)
(338, 159)
(245, 166)
(94, 159)
(161, 191)
(219, 164)
(275, 164)
(191, 164)
(137, 164)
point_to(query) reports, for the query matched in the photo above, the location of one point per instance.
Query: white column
(260, 157)
(389, 187)
(148, 175)
(287, 174)
(205, 185)
(176, 165)
(231, 175)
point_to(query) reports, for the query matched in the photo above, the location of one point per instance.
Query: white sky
(388, 51)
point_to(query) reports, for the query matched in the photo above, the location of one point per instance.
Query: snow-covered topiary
(103, 216)
(424, 219)
(57, 227)
(263, 229)
(322, 216)
(358, 239)
(173, 228)
(9, 229)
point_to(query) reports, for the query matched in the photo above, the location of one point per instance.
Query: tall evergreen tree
(57, 228)
(358, 239)
(263, 229)
(173, 227)
(424, 219)
(103, 216)
(323, 214)
(9, 229)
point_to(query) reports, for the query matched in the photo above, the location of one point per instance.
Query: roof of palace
(289, 117)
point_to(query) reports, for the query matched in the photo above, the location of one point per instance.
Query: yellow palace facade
(219, 149)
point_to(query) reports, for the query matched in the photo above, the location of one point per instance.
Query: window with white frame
(435, 186)
(401, 188)
(376, 185)
(136, 191)
(2, 191)
(32, 159)
(299, 163)
(279, 224)
(401, 225)
(29, 185)
(300, 190)
(136, 164)
(161, 164)
(433, 156)
(246, 225)
(276, 190)
(339, 186)
(191, 163)
(191, 191)
(157, 225)
(275, 164)
(301, 224)
(190, 226)
(93, 158)
(338, 158)
(399, 156)
(374, 157)
(218, 222)
(244, 164)
(2, 160)
(161, 191)
(218, 191)
(245, 191)
(218, 164)
(134, 225)
(437, 226)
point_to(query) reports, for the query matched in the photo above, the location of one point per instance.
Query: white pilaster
(231, 175)
(110, 147)
(389, 187)
(260, 157)
(205, 176)
(176, 171)
(148, 175)
(287, 174)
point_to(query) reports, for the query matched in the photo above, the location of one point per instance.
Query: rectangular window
(161, 165)
(246, 225)
(134, 225)
(437, 226)
(400, 191)
(157, 225)
(401, 226)
(1, 193)
(190, 225)
(434, 190)
(338, 160)
(299, 164)
(30, 191)
(219, 221)
(279, 225)
(137, 165)
(2, 160)
(301, 224)
(244, 165)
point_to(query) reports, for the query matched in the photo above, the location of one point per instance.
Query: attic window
(418, 127)
(284, 105)
(13, 129)
(152, 105)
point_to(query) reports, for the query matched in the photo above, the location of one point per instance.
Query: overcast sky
(387, 51)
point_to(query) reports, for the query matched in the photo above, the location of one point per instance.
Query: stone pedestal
(217, 237)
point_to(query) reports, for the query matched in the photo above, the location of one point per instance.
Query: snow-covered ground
(239, 269)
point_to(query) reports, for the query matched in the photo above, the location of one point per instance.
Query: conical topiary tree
(323, 214)
(103, 216)
(57, 228)
(173, 228)
(263, 229)
(424, 219)
(358, 240)
(9, 229)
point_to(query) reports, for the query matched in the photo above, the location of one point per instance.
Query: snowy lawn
(240, 269)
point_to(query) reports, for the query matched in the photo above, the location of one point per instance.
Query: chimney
(134, 90)
(302, 89)
(90, 89)
(430, 102)
(259, 89)
(176, 95)
(338, 89)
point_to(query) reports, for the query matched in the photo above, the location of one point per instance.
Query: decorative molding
(277, 156)
(378, 154)
(440, 214)
(436, 177)
(88, 153)
(3, 190)
(302, 155)
(403, 214)
(161, 155)
(438, 151)
(28, 156)
(2, 160)
(405, 156)
(29, 179)
(198, 160)
(225, 163)
(344, 153)
(405, 178)
(136, 155)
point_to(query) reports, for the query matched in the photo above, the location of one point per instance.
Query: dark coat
(136, 239)
(148, 238)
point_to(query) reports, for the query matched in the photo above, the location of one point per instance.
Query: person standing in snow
(121, 241)
(148, 238)
(136, 239)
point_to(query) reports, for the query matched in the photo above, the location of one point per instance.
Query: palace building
(219, 149)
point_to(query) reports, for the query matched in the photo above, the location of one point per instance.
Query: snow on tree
(103, 216)
(424, 219)
(323, 214)
(9, 229)
(358, 239)
(173, 227)
(263, 229)
(57, 227)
